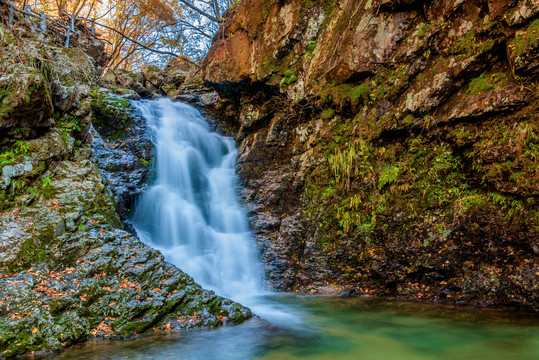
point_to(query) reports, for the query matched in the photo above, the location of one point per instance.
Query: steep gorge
(388, 147)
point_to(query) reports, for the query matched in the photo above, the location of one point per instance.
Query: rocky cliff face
(68, 270)
(388, 147)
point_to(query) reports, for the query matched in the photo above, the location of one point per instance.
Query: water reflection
(328, 328)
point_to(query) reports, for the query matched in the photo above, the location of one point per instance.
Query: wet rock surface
(387, 147)
(105, 283)
(123, 149)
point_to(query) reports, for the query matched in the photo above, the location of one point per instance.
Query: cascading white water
(191, 212)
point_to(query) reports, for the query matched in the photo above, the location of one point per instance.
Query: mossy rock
(25, 100)
(112, 113)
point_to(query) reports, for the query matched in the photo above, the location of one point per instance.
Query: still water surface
(332, 328)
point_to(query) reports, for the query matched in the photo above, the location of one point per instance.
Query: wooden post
(43, 22)
(11, 12)
(28, 9)
(68, 34)
(70, 30)
(72, 24)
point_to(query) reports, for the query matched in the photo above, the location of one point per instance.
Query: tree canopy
(182, 27)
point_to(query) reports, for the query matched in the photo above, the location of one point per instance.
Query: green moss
(33, 250)
(6, 335)
(29, 254)
(345, 95)
(387, 176)
(14, 154)
(310, 49)
(9, 99)
(275, 68)
(289, 78)
(195, 80)
(423, 28)
(103, 206)
(470, 44)
(530, 39)
(361, 91)
(386, 84)
(486, 82)
(265, 67)
(21, 130)
(133, 328)
(517, 136)
(70, 126)
(145, 162)
(47, 181)
(409, 120)
(170, 89)
(66, 80)
(366, 182)
(106, 99)
(112, 114)
(308, 4)
(328, 113)
(22, 345)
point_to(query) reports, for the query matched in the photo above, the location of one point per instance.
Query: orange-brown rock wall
(388, 147)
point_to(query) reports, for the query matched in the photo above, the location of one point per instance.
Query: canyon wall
(387, 147)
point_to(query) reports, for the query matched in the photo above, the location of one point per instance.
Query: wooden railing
(43, 19)
(70, 30)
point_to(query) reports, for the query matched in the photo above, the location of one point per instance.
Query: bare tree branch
(200, 11)
(136, 42)
(193, 27)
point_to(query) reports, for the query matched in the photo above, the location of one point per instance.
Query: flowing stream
(191, 212)
(192, 215)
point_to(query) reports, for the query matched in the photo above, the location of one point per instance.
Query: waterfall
(191, 212)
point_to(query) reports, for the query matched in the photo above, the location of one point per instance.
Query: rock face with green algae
(124, 157)
(395, 149)
(113, 113)
(102, 282)
(68, 271)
